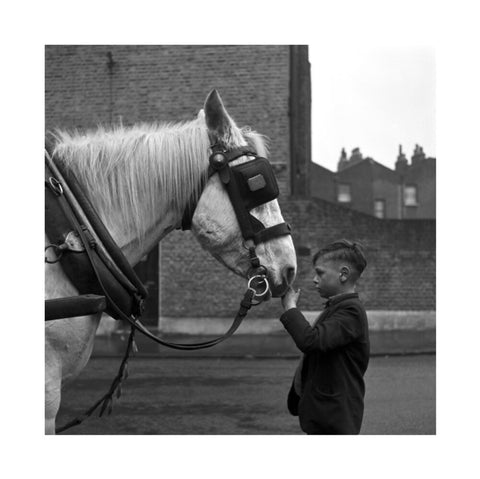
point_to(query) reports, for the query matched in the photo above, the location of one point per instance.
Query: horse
(140, 179)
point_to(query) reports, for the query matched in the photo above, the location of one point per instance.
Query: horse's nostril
(289, 274)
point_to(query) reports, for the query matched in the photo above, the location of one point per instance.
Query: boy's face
(327, 279)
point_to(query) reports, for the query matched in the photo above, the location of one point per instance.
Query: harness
(96, 265)
(86, 251)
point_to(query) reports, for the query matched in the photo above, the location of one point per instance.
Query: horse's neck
(141, 210)
(133, 247)
(130, 246)
(135, 244)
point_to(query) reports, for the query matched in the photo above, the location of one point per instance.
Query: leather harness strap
(90, 270)
(97, 224)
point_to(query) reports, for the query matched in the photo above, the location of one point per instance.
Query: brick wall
(400, 273)
(322, 183)
(170, 83)
(401, 254)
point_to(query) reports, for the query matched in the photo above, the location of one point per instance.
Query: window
(410, 196)
(379, 208)
(343, 193)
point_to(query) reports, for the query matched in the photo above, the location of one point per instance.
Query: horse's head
(220, 222)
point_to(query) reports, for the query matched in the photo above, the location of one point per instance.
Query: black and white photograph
(248, 247)
(187, 189)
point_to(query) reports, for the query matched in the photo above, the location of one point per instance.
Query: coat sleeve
(341, 328)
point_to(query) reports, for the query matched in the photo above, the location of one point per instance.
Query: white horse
(140, 180)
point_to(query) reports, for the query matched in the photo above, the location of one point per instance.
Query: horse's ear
(201, 115)
(218, 120)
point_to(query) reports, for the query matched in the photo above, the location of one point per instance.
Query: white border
(450, 26)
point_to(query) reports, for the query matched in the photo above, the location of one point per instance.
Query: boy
(328, 388)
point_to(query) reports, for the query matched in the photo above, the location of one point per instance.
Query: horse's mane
(131, 171)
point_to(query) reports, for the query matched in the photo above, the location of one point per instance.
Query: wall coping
(378, 320)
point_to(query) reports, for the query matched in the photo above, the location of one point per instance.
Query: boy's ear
(345, 273)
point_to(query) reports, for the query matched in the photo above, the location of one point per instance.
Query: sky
(373, 98)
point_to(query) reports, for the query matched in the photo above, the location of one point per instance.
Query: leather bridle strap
(272, 232)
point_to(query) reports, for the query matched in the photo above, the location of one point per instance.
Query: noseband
(248, 185)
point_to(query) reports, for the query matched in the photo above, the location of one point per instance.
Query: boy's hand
(290, 298)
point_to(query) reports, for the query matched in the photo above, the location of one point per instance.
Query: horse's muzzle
(288, 277)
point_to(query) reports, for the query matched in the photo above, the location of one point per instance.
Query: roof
(377, 168)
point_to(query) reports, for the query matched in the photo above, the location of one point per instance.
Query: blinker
(256, 183)
(249, 184)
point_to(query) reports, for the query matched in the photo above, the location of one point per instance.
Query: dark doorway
(147, 270)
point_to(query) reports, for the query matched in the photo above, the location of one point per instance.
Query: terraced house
(363, 184)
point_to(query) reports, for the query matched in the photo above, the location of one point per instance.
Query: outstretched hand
(290, 298)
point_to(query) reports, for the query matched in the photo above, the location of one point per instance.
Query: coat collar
(339, 297)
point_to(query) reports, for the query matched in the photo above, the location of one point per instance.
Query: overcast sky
(374, 99)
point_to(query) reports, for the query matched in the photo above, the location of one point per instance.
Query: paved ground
(215, 395)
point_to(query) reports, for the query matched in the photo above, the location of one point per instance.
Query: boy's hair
(344, 250)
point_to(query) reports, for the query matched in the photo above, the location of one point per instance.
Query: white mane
(132, 171)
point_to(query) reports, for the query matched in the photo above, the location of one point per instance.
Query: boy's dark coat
(336, 357)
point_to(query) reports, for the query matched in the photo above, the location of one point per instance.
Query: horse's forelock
(256, 141)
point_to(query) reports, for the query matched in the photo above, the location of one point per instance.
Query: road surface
(209, 395)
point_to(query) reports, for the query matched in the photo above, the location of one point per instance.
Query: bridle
(248, 185)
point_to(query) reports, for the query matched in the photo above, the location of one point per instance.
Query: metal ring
(56, 185)
(57, 249)
(245, 245)
(263, 278)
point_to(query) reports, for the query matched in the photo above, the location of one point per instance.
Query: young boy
(328, 388)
